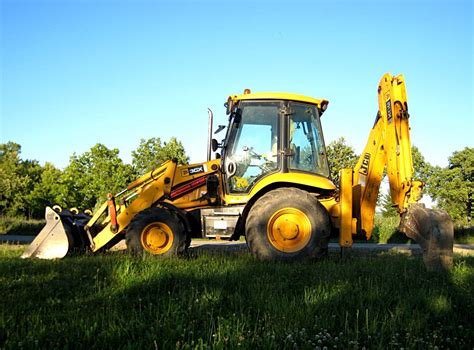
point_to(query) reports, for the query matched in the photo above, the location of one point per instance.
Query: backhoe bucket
(433, 230)
(52, 242)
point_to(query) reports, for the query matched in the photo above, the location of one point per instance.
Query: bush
(464, 235)
(384, 228)
(20, 226)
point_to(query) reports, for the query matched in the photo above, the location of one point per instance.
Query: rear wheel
(286, 224)
(156, 231)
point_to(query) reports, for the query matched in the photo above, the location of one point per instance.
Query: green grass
(385, 231)
(20, 226)
(231, 300)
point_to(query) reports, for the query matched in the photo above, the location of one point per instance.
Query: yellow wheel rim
(157, 238)
(289, 230)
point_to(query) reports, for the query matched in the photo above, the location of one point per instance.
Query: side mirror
(214, 145)
(219, 129)
(229, 105)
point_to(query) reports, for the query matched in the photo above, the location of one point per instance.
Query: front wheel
(156, 231)
(287, 224)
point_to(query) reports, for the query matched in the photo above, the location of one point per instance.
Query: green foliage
(90, 176)
(423, 170)
(386, 230)
(46, 191)
(453, 186)
(388, 210)
(17, 179)
(151, 153)
(26, 187)
(230, 301)
(340, 156)
(19, 226)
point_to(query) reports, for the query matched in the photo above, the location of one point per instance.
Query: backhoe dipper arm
(389, 146)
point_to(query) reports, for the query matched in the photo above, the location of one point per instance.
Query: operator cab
(270, 133)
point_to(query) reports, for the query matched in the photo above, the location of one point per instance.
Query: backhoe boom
(389, 147)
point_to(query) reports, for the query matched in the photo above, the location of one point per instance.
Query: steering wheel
(251, 152)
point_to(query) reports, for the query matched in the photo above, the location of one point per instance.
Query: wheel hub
(289, 230)
(157, 238)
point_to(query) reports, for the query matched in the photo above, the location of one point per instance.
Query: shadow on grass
(231, 300)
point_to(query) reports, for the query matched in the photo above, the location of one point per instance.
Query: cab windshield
(306, 143)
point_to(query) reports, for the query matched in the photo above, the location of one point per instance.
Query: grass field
(231, 300)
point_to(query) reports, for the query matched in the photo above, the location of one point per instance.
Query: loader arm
(389, 147)
(150, 187)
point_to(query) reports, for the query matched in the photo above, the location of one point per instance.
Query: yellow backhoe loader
(269, 182)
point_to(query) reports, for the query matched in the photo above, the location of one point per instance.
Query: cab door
(253, 148)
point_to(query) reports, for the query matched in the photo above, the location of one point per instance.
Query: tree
(46, 191)
(17, 178)
(385, 202)
(151, 153)
(340, 156)
(423, 170)
(9, 182)
(89, 177)
(453, 186)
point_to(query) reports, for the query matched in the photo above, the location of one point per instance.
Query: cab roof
(279, 96)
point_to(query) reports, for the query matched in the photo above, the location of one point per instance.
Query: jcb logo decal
(388, 106)
(364, 168)
(194, 170)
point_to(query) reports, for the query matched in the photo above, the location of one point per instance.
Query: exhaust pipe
(209, 134)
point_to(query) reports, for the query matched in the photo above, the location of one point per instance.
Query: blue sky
(79, 72)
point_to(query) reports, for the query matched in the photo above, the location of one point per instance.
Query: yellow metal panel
(149, 176)
(315, 181)
(328, 203)
(367, 175)
(393, 104)
(183, 171)
(194, 198)
(278, 96)
(345, 203)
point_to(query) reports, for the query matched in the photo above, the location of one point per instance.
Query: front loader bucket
(433, 230)
(52, 242)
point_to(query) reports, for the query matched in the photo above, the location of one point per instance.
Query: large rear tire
(156, 231)
(288, 224)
